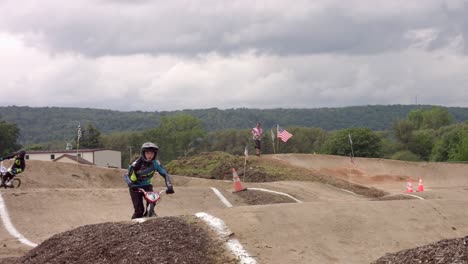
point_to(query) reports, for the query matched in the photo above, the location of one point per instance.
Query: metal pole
(245, 164)
(273, 141)
(77, 148)
(130, 154)
(351, 143)
(277, 142)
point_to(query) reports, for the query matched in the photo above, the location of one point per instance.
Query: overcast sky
(170, 55)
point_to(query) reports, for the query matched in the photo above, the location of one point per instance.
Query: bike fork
(150, 211)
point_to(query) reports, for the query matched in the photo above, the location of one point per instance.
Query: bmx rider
(140, 175)
(18, 166)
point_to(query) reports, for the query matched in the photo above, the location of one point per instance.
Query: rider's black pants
(8, 176)
(138, 200)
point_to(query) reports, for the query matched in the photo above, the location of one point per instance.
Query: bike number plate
(152, 196)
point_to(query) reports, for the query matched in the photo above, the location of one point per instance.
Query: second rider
(140, 175)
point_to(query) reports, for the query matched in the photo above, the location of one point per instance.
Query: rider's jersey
(140, 173)
(256, 133)
(18, 165)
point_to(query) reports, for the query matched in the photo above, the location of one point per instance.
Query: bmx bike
(15, 182)
(152, 198)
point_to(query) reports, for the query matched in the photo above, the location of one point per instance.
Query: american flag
(283, 134)
(79, 132)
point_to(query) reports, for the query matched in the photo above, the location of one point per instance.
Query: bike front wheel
(150, 211)
(15, 183)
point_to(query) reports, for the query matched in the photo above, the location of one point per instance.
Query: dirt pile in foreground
(445, 251)
(159, 240)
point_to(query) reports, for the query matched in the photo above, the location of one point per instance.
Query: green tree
(9, 133)
(304, 140)
(433, 118)
(120, 141)
(365, 143)
(460, 152)
(436, 118)
(405, 155)
(176, 135)
(91, 137)
(447, 146)
(389, 145)
(421, 143)
(403, 130)
(416, 118)
(229, 140)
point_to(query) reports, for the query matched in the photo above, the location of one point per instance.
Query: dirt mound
(253, 197)
(393, 197)
(159, 240)
(268, 168)
(208, 165)
(49, 174)
(218, 165)
(444, 251)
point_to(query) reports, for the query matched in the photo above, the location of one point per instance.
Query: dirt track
(331, 226)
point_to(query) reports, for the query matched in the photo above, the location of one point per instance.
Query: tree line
(47, 124)
(424, 134)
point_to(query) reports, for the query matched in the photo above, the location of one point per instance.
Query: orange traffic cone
(420, 185)
(409, 186)
(237, 184)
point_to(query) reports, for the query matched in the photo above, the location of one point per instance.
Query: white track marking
(221, 197)
(344, 190)
(266, 190)
(348, 191)
(9, 226)
(232, 244)
(412, 195)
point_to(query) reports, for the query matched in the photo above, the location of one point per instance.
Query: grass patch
(218, 165)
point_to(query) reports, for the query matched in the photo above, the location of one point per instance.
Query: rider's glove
(170, 190)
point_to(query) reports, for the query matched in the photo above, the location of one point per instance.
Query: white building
(98, 157)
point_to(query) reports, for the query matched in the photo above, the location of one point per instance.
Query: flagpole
(273, 140)
(245, 161)
(351, 143)
(277, 142)
(78, 136)
(77, 148)
(245, 164)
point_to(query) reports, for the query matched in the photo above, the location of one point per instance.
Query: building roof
(65, 151)
(74, 158)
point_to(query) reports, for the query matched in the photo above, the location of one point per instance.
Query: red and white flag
(246, 152)
(283, 134)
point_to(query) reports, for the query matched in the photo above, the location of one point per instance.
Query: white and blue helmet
(149, 146)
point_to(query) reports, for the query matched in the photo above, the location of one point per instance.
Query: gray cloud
(156, 55)
(98, 28)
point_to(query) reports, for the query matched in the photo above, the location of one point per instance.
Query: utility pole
(351, 143)
(130, 153)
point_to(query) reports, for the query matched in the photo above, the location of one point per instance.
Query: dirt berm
(79, 213)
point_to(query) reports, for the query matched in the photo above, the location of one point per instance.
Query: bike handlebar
(143, 191)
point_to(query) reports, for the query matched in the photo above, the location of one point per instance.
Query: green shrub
(406, 155)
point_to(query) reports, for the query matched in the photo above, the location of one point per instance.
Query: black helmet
(151, 147)
(21, 153)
